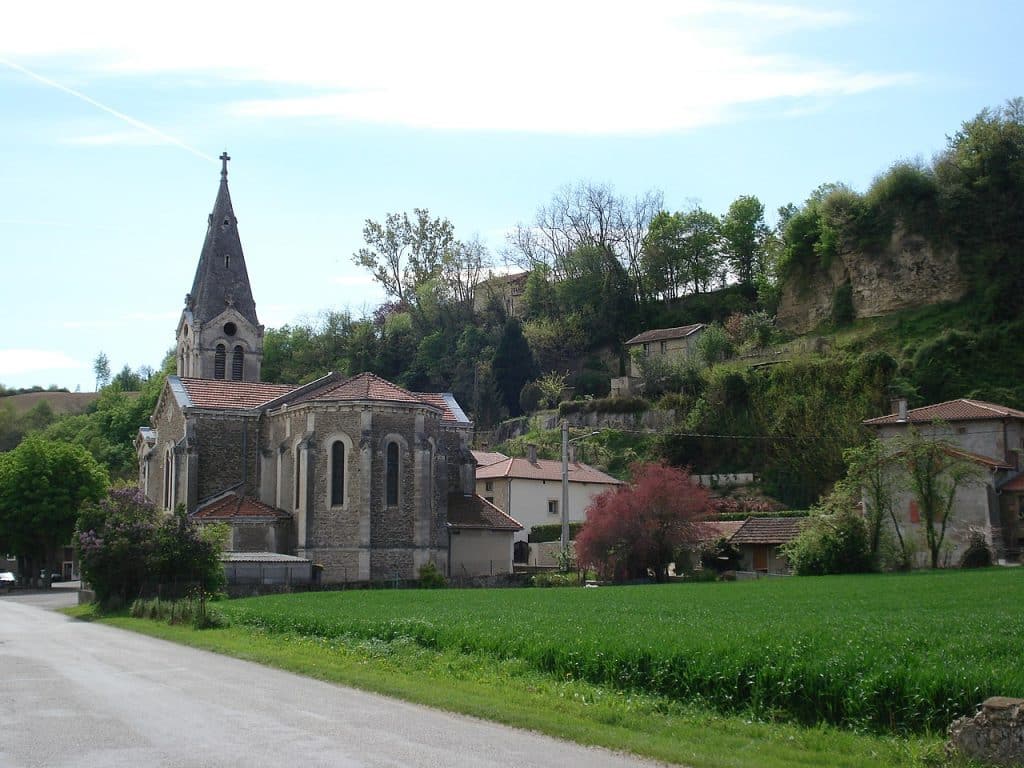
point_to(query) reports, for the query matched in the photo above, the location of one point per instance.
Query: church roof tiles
(232, 505)
(230, 395)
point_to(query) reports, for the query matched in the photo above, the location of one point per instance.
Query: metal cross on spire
(224, 157)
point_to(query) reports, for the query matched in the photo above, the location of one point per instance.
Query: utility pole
(565, 484)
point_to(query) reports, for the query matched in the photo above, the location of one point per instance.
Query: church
(365, 479)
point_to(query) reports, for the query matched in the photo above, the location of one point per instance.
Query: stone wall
(909, 272)
(228, 447)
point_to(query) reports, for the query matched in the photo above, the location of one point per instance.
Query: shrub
(529, 397)
(842, 305)
(836, 543)
(605, 405)
(556, 580)
(713, 345)
(551, 532)
(430, 577)
(719, 555)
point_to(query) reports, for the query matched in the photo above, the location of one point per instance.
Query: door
(760, 557)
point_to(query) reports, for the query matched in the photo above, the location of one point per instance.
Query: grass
(509, 691)
(896, 653)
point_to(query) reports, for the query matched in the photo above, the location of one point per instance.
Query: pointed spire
(221, 279)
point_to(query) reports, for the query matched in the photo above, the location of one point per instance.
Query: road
(92, 696)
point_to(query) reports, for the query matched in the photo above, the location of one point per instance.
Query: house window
(391, 475)
(337, 473)
(489, 499)
(218, 361)
(237, 359)
(664, 347)
(915, 514)
(552, 506)
(647, 348)
(167, 480)
(489, 485)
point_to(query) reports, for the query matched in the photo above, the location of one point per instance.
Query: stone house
(529, 489)
(505, 290)
(760, 539)
(988, 435)
(672, 344)
(355, 474)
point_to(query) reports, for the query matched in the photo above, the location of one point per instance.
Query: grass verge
(510, 692)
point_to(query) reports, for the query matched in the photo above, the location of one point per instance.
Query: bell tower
(219, 335)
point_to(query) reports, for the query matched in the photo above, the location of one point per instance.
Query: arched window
(167, 480)
(237, 357)
(218, 362)
(337, 473)
(391, 475)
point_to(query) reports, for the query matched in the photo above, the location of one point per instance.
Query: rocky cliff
(908, 272)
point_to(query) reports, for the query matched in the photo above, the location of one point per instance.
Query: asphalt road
(87, 695)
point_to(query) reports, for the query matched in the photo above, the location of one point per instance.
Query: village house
(760, 541)
(357, 475)
(506, 291)
(992, 437)
(529, 489)
(670, 344)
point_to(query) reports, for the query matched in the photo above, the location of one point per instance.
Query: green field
(903, 653)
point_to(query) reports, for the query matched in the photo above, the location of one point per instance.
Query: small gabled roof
(768, 530)
(221, 394)
(486, 458)
(720, 529)
(663, 334)
(450, 408)
(962, 409)
(543, 469)
(232, 506)
(362, 386)
(476, 512)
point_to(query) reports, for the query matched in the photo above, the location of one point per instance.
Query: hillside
(58, 402)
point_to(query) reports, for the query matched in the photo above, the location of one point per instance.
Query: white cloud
(567, 67)
(18, 361)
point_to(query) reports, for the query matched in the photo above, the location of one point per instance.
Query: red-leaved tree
(633, 530)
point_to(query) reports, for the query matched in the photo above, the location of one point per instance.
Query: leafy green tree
(935, 471)
(830, 543)
(743, 235)
(129, 549)
(43, 484)
(128, 380)
(870, 475)
(513, 365)
(101, 369)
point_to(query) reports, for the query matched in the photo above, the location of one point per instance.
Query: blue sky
(113, 115)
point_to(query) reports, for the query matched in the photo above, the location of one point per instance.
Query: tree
(635, 529)
(743, 234)
(870, 474)
(101, 369)
(43, 484)
(513, 365)
(833, 541)
(129, 549)
(936, 470)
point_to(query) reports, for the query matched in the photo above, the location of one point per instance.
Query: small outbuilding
(759, 540)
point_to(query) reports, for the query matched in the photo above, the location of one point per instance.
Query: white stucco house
(988, 435)
(672, 344)
(529, 489)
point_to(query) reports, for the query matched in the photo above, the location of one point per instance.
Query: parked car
(7, 580)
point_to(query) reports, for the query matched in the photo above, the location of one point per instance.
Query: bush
(842, 305)
(605, 405)
(128, 549)
(551, 532)
(556, 580)
(431, 578)
(713, 345)
(836, 543)
(719, 555)
(529, 397)
(192, 610)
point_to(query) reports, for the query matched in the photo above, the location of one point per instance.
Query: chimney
(531, 452)
(899, 407)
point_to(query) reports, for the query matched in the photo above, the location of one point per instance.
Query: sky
(113, 114)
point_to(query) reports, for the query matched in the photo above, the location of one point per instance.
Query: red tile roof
(233, 506)
(768, 530)
(543, 469)
(1016, 484)
(486, 458)
(663, 334)
(718, 529)
(441, 400)
(362, 386)
(476, 512)
(232, 395)
(952, 410)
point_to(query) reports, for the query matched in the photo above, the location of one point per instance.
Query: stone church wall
(228, 448)
(169, 423)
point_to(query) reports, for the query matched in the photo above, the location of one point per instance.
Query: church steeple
(219, 335)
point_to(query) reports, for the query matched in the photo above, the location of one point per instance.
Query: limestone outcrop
(908, 272)
(994, 736)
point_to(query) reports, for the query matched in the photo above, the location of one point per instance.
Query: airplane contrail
(109, 110)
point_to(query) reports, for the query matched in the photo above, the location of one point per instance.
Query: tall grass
(903, 653)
